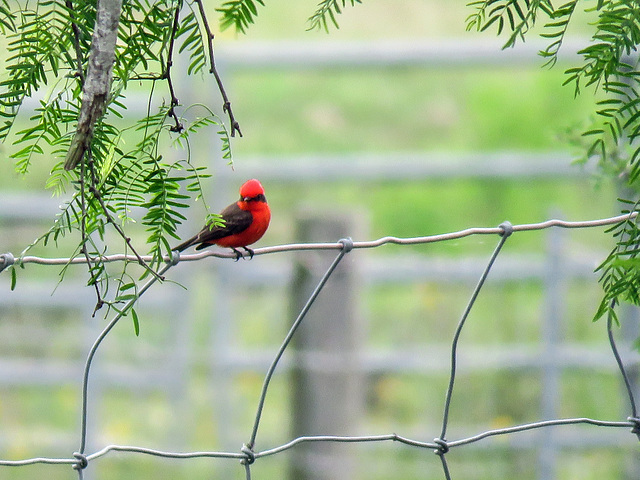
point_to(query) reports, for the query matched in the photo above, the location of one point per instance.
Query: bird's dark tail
(186, 244)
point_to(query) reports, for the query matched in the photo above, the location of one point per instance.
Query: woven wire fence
(248, 454)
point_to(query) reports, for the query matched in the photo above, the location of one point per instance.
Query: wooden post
(326, 375)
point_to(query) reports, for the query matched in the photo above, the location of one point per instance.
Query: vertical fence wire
(625, 377)
(81, 458)
(347, 247)
(443, 448)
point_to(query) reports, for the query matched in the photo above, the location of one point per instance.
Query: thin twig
(140, 259)
(178, 127)
(76, 43)
(98, 196)
(226, 106)
(149, 77)
(83, 234)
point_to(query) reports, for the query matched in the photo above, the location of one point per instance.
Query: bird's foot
(238, 254)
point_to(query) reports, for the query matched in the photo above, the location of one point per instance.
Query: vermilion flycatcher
(244, 222)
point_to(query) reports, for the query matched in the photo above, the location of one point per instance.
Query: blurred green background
(191, 381)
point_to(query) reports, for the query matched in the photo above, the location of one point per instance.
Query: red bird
(244, 223)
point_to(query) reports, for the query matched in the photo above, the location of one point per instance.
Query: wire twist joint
(443, 446)
(6, 260)
(174, 258)
(82, 461)
(250, 455)
(507, 229)
(347, 244)
(636, 425)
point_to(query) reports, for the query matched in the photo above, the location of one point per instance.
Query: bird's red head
(251, 189)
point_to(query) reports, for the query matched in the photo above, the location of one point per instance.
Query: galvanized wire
(347, 247)
(94, 348)
(326, 246)
(443, 446)
(247, 455)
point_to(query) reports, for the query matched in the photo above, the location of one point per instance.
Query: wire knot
(6, 260)
(82, 461)
(443, 446)
(636, 425)
(507, 228)
(347, 244)
(174, 258)
(250, 455)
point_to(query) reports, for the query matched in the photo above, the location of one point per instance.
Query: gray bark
(97, 83)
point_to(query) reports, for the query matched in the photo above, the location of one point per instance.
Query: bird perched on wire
(244, 223)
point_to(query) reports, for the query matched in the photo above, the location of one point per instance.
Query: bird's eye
(257, 198)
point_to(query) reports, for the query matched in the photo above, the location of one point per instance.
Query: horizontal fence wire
(247, 455)
(8, 259)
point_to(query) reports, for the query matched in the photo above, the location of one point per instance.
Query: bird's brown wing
(235, 219)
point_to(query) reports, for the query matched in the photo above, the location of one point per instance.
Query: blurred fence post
(555, 293)
(630, 331)
(327, 393)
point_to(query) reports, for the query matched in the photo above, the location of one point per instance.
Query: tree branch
(97, 84)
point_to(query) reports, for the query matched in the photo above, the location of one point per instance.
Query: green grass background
(284, 113)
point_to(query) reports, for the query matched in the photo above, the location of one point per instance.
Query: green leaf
(14, 277)
(136, 322)
(238, 13)
(328, 9)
